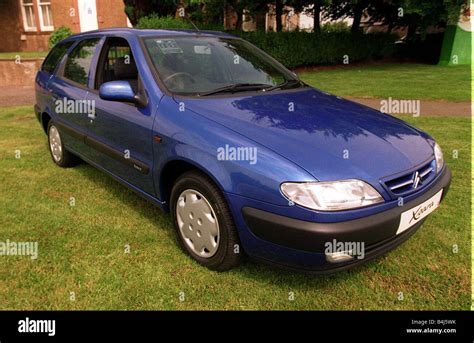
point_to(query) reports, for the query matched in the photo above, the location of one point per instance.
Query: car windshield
(210, 65)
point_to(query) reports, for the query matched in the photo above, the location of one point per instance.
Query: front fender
(190, 137)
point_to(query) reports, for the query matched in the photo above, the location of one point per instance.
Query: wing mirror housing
(121, 91)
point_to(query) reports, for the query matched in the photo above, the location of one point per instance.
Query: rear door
(70, 92)
(121, 133)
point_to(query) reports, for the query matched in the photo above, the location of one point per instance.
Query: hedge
(296, 49)
(163, 23)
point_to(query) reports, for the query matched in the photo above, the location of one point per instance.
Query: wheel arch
(173, 169)
(45, 118)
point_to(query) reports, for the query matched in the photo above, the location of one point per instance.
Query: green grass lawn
(399, 81)
(82, 248)
(472, 211)
(12, 55)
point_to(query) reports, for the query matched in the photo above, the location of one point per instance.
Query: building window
(45, 15)
(28, 11)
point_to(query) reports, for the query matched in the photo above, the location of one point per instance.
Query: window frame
(31, 5)
(106, 44)
(103, 56)
(40, 4)
(61, 60)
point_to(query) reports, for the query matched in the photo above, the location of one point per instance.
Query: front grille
(413, 181)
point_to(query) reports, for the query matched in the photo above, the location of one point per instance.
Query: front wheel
(203, 222)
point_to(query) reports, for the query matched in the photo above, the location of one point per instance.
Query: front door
(121, 133)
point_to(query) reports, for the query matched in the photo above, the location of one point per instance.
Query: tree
(213, 11)
(312, 8)
(252, 8)
(135, 9)
(317, 16)
(423, 13)
(355, 9)
(278, 14)
(415, 15)
(238, 6)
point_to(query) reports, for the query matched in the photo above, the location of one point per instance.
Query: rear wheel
(59, 154)
(203, 222)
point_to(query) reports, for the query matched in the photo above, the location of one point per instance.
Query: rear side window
(79, 61)
(55, 56)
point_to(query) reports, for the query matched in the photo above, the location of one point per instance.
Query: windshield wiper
(237, 87)
(292, 82)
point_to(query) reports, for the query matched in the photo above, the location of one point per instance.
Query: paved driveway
(16, 96)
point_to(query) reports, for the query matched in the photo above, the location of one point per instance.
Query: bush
(295, 49)
(59, 35)
(163, 23)
(340, 26)
(156, 22)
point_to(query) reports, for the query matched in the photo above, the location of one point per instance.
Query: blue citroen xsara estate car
(248, 159)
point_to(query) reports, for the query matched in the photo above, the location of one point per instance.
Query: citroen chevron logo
(416, 180)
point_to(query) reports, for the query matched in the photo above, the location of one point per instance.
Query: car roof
(151, 33)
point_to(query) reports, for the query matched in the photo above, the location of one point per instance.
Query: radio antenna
(192, 23)
(183, 14)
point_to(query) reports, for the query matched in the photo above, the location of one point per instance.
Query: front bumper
(377, 232)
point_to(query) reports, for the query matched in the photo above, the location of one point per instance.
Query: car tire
(203, 222)
(59, 154)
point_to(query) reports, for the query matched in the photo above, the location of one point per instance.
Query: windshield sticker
(169, 46)
(202, 49)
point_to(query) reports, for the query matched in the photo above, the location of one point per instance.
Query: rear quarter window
(55, 56)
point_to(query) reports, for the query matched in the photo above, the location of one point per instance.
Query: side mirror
(120, 91)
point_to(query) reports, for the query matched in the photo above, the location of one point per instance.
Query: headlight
(439, 157)
(331, 196)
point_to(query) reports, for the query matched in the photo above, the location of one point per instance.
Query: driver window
(117, 64)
